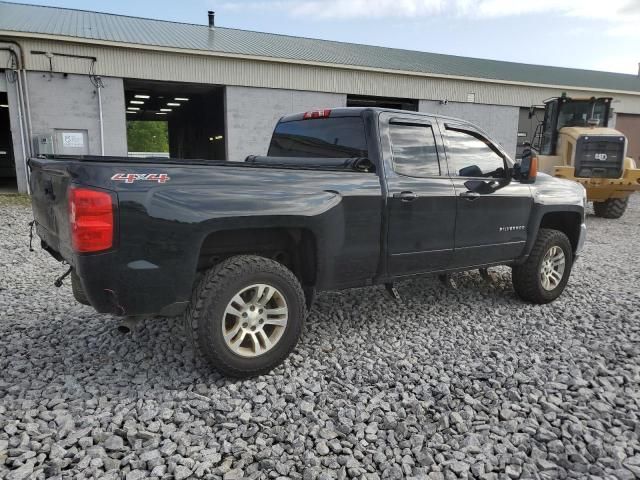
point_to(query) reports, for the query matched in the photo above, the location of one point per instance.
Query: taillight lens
(91, 218)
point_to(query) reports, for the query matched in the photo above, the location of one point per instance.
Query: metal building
(72, 81)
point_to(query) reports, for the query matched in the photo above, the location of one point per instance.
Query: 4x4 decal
(146, 177)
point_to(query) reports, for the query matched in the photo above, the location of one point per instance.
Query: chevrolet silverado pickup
(346, 197)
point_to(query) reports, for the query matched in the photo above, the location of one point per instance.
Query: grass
(14, 199)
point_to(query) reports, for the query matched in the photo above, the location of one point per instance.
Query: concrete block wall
(252, 113)
(500, 122)
(71, 102)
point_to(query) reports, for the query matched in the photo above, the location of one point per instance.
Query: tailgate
(49, 183)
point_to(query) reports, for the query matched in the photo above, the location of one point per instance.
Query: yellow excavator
(574, 141)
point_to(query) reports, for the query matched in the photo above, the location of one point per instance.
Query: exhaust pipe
(127, 324)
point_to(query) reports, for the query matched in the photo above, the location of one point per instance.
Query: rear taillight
(317, 114)
(91, 219)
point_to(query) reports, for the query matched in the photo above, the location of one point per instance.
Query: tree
(147, 136)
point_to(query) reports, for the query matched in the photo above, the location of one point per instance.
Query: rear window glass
(339, 137)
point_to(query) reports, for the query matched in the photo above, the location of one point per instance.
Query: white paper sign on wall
(72, 140)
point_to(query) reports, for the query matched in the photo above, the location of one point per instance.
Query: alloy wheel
(552, 268)
(254, 320)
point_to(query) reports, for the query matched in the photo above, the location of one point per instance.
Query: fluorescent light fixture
(133, 108)
(141, 96)
(166, 110)
(137, 102)
(161, 113)
(218, 137)
(173, 104)
(4, 106)
(181, 99)
(131, 111)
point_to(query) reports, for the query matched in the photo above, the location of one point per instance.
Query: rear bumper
(108, 301)
(581, 240)
(599, 189)
(110, 285)
(133, 288)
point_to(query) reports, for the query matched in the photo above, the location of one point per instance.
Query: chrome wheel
(552, 268)
(254, 320)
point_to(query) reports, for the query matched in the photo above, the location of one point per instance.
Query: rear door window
(414, 150)
(337, 137)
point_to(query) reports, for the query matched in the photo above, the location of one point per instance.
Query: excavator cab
(560, 112)
(574, 141)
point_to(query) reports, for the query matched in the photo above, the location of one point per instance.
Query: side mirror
(470, 171)
(527, 170)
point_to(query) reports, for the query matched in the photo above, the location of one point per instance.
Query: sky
(590, 34)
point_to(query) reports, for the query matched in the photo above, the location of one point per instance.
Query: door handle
(470, 195)
(406, 196)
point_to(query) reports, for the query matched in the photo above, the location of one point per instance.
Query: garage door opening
(7, 160)
(630, 125)
(383, 102)
(174, 120)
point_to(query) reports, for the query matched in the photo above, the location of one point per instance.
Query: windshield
(578, 113)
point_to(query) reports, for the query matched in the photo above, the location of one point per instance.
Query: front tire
(246, 315)
(543, 277)
(611, 208)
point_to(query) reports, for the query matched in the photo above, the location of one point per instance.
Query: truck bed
(167, 209)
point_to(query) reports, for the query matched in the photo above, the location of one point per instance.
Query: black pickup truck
(347, 197)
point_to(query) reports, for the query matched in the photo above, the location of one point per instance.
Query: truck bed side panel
(163, 226)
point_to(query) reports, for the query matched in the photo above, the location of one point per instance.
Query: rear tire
(611, 208)
(233, 324)
(543, 277)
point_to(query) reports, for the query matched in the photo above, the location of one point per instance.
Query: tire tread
(525, 277)
(207, 289)
(611, 208)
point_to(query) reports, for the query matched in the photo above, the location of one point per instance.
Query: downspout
(26, 147)
(21, 126)
(101, 121)
(27, 109)
(96, 81)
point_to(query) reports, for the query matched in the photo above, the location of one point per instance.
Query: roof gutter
(208, 53)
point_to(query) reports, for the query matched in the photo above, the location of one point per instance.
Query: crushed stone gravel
(450, 383)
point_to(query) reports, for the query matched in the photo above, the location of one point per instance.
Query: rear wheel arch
(293, 247)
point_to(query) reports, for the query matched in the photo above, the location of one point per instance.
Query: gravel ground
(451, 383)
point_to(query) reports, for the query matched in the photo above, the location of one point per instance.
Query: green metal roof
(77, 24)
